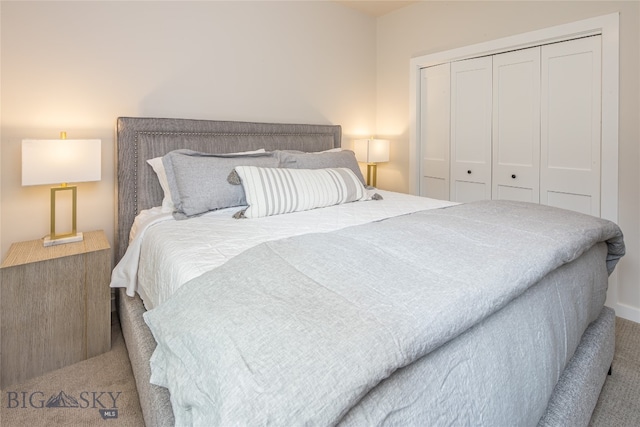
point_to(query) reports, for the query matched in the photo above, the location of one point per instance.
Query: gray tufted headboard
(139, 139)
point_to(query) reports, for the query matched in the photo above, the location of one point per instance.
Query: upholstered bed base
(576, 394)
(154, 400)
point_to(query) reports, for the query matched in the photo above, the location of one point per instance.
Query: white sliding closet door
(435, 101)
(516, 125)
(471, 129)
(570, 125)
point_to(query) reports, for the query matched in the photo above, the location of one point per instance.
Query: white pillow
(273, 191)
(158, 168)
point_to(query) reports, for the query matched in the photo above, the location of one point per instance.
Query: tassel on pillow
(234, 178)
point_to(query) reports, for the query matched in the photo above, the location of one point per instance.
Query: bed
(535, 352)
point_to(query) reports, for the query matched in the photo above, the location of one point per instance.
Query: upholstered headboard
(139, 139)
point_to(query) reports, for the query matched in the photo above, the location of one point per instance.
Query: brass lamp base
(372, 172)
(62, 238)
(48, 241)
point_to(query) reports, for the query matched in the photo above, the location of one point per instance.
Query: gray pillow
(198, 181)
(321, 160)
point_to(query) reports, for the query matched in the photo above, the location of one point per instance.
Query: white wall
(430, 27)
(77, 66)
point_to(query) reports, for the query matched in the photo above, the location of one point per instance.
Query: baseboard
(627, 312)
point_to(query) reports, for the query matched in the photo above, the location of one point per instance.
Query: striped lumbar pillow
(273, 191)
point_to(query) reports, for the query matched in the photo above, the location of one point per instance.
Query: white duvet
(164, 254)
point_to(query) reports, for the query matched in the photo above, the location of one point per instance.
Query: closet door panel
(516, 125)
(570, 125)
(435, 188)
(471, 129)
(435, 101)
(510, 192)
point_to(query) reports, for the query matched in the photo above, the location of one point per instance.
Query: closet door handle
(469, 171)
(513, 176)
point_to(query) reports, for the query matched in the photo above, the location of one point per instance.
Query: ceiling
(375, 8)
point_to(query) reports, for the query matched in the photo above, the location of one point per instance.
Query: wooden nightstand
(54, 306)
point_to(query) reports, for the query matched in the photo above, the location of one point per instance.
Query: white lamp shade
(57, 161)
(371, 150)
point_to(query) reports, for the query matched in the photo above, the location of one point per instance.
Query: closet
(520, 125)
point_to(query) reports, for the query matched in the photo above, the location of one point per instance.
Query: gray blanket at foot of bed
(298, 331)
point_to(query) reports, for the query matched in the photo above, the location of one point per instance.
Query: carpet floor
(100, 392)
(619, 402)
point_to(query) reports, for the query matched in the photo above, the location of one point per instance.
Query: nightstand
(55, 306)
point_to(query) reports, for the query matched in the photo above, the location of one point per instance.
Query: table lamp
(371, 151)
(61, 161)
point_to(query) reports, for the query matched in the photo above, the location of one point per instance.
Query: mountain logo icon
(62, 400)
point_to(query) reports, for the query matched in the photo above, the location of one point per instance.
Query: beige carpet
(619, 403)
(97, 382)
(99, 387)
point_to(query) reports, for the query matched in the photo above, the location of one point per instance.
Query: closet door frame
(607, 26)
